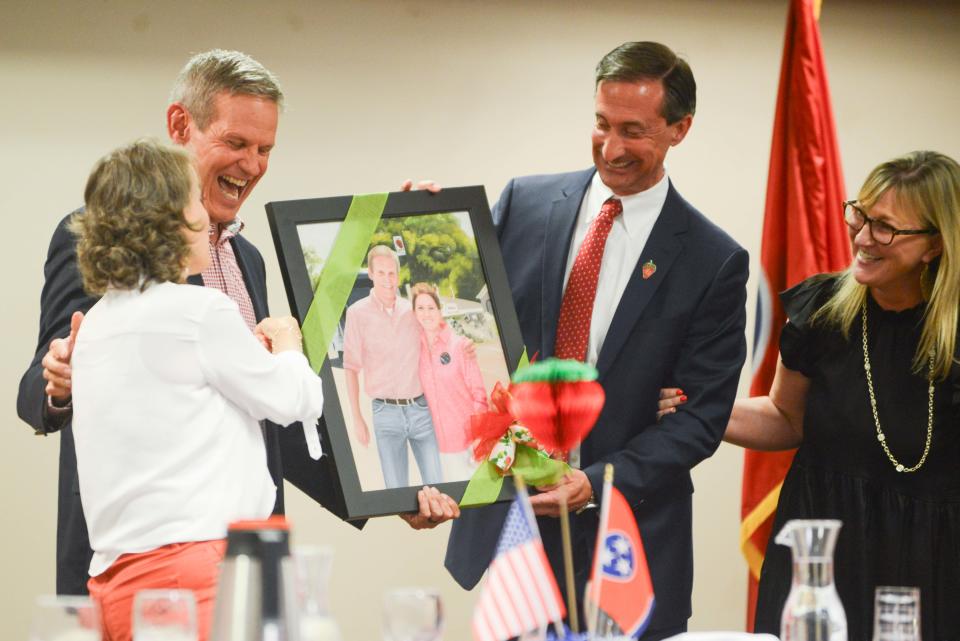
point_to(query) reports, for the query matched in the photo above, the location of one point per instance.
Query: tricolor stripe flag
(620, 582)
(520, 593)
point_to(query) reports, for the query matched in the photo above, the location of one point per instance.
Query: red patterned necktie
(576, 310)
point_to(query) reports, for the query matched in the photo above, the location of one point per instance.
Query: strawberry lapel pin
(649, 269)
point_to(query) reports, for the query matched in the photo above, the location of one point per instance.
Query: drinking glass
(312, 565)
(896, 613)
(412, 614)
(164, 615)
(65, 618)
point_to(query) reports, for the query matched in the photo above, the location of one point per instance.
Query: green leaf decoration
(537, 468)
(555, 370)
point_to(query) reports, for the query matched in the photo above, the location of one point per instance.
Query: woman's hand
(670, 398)
(279, 334)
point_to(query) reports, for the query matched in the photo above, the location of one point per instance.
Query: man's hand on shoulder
(56, 364)
(574, 489)
(435, 508)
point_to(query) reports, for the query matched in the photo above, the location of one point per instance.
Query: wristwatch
(591, 503)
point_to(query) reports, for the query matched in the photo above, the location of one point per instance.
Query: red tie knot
(612, 207)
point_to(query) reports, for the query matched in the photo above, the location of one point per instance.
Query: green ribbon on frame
(337, 278)
(535, 466)
(339, 274)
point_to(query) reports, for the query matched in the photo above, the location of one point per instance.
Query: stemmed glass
(412, 614)
(65, 618)
(896, 614)
(164, 615)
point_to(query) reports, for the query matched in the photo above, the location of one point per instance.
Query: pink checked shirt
(385, 346)
(453, 386)
(224, 273)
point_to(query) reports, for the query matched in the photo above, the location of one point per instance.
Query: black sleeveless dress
(898, 528)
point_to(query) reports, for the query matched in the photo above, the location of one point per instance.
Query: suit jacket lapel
(663, 247)
(558, 236)
(195, 279)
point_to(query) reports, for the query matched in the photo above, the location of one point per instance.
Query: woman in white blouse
(168, 388)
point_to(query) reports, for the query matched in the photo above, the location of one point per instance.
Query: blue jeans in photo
(395, 426)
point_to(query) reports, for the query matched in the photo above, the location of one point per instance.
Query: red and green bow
(548, 409)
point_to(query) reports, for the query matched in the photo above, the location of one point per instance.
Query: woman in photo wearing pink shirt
(449, 373)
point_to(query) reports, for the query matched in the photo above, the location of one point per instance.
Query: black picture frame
(334, 480)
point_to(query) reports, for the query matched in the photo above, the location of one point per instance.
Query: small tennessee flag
(620, 594)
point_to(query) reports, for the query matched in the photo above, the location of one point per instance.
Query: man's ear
(179, 124)
(680, 129)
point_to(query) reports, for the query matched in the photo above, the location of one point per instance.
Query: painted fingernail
(679, 392)
(683, 398)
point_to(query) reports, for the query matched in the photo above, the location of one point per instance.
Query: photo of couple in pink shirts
(415, 365)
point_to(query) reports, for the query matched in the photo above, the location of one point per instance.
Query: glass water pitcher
(813, 611)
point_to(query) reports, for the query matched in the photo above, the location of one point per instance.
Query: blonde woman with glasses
(868, 389)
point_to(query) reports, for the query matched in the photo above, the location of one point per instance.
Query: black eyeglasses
(881, 232)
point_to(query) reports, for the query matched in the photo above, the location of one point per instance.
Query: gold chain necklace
(873, 406)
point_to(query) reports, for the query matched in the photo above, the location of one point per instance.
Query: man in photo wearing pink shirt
(381, 338)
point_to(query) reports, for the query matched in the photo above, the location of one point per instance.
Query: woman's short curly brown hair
(131, 230)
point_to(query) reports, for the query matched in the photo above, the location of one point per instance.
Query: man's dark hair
(635, 61)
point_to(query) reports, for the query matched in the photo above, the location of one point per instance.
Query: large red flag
(803, 234)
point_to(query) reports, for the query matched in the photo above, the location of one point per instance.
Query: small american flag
(520, 593)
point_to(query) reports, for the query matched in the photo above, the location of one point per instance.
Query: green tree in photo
(438, 251)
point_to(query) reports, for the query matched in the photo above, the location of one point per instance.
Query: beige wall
(461, 92)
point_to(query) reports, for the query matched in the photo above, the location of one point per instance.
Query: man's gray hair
(209, 73)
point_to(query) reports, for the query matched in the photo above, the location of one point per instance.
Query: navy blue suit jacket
(682, 327)
(62, 295)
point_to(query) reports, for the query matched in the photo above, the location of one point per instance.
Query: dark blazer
(61, 296)
(682, 327)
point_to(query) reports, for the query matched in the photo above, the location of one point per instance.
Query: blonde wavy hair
(130, 232)
(928, 184)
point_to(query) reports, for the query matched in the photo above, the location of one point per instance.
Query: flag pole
(521, 487)
(568, 565)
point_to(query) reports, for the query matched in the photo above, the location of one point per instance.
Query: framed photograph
(421, 330)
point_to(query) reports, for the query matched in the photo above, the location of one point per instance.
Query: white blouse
(168, 388)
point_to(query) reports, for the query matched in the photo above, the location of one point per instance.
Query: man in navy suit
(664, 305)
(224, 108)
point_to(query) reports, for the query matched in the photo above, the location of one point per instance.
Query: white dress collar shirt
(622, 251)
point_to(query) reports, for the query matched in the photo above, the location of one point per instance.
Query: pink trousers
(179, 566)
